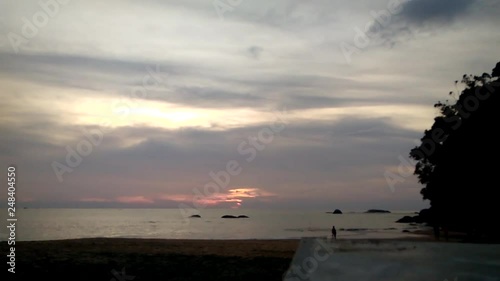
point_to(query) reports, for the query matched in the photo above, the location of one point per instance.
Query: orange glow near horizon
(235, 196)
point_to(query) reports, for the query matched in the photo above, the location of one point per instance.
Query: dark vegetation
(456, 160)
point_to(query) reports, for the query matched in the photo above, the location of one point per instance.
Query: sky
(299, 104)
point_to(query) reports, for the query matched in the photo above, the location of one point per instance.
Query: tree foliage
(457, 158)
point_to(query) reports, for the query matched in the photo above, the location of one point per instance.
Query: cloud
(212, 97)
(134, 200)
(336, 159)
(420, 12)
(255, 52)
(234, 197)
(84, 72)
(418, 17)
(95, 200)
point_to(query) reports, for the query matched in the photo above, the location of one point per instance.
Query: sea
(56, 224)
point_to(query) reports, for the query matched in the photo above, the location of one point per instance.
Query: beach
(152, 259)
(120, 259)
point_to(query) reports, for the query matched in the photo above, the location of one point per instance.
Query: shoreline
(417, 234)
(149, 259)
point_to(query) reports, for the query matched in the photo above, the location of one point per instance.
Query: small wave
(308, 229)
(356, 229)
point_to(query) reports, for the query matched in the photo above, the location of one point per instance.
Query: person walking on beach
(334, 232)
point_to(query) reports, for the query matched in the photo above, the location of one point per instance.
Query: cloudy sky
(229, 103)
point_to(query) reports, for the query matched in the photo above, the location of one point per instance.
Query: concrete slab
(321, 259)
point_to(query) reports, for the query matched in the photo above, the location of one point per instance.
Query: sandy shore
(119, 259)
(152, 259)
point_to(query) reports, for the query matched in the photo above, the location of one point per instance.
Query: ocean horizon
(62, 223)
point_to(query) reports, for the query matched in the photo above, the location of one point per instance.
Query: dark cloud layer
(118, 77)
(418, 16)
(84, 72)
(177, 161)
(430, 11)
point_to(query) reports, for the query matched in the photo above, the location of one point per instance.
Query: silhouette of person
(334, 232)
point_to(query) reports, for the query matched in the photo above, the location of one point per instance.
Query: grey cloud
(304, 101)
(82, 71)
(290, 15)
(209, 97)
(424, 11)
(255, 52)
(418, 16)
(176, 161)
(119, 77)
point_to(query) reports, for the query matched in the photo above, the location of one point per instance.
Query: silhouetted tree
(457, 158)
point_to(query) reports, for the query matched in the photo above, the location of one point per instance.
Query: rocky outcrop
(234, 217)
(337, 211)
(406, 219)
(195, 216)
(423, 216)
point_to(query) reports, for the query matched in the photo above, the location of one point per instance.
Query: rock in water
(229, 217)
(377, 211)
(406, 219)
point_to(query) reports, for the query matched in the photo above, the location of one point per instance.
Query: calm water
(51, 224)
